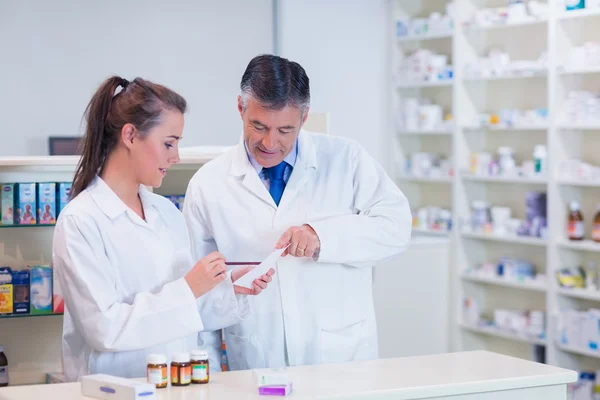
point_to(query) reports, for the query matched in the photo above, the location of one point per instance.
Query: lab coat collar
(306, 158)
(110, 203)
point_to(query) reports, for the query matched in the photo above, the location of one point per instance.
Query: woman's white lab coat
(122, 278)
(312, 312)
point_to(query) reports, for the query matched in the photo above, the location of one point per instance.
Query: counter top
(404, 378)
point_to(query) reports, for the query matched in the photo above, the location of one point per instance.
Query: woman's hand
(258, 284)
(206, 274)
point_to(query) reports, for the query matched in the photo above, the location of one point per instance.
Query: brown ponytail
(139, 103)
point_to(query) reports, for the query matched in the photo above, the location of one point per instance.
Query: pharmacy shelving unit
(546, 88)
(33, 342)
(422, 191)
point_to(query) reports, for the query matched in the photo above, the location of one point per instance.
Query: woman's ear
(128, 134)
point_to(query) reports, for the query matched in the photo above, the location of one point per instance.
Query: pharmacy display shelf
(416, 38)
(578, 182)
(189, 158)
(426, 179)
(425, 84)
(583, 294)
(576, 350)
(428, 231)
(467, 100)
(578, 71)
(532, 75)
(583, 245)
(523, 128)
(579, 127)
(506, 179)
(525, 240)
(573, 14)
(18, 226)
(492, 280)
(479, 28)
(424, 132)
(16, 316)
(47, 328)
(493, 331)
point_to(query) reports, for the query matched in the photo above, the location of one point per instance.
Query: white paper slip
(260, 269)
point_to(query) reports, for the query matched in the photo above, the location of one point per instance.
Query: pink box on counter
(275, 390)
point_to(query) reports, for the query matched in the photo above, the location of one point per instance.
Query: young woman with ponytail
(122, 253)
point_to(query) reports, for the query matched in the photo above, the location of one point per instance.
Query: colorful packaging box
(46, 203)
(41, 289)
(21, 282)
(25, 201)
(63, 195)
(58, 301)
(6, 291)
(8, 203)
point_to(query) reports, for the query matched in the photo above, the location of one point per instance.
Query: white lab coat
(312, 312)
(122, 279)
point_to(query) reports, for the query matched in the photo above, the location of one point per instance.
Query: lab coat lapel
(242, 168)
(306, 163)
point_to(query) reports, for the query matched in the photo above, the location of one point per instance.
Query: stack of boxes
(34, 290)
(33, 203)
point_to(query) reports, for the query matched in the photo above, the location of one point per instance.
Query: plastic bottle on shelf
(3, 368)
(540, 159)
(575, 225)
(591, 276)
(596, 226)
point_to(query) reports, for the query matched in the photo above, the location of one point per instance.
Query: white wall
(343, 45)
(55, 53)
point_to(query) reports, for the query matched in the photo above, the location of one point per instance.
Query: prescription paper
(260, 269)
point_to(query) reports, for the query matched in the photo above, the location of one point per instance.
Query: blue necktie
(276, 182)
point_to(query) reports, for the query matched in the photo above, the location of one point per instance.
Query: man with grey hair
(321, 197)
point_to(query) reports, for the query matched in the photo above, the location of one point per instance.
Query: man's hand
(303, 241)
(258, 284)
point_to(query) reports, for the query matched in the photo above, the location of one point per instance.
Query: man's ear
(305, 115)
(240, 108)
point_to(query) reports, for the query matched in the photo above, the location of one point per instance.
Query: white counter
(469, 375)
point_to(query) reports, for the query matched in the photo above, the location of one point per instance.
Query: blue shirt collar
(290, 158)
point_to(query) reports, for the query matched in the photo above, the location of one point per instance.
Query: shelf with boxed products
(425, 84)
(433, 232)
(506, 179)
(576, 350)
(529, 23)
(423, 37)
(189, 158)
(493, 331)
(13, 316)
(577, 293)
(582, 13)
(579, 127)
(19, 248)
(426, 132)
(491, 128)
(426, 179)
(584, 245)
(524, 75)
(578, 182)
(578, 71)
(17, 226)
(498, 281)
(525, 240)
